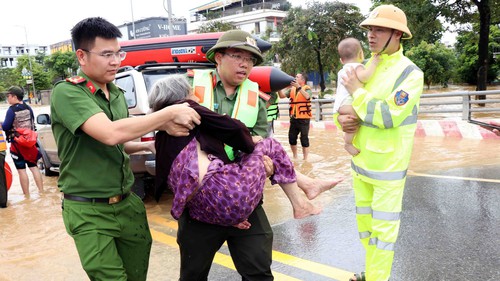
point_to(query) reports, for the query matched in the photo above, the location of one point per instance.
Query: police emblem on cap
(401, 98)
(252, 41)
(373, 14)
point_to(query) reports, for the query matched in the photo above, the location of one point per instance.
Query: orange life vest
(300, 107)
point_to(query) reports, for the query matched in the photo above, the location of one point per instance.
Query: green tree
(309, 37)
(435, 60)
(422, 20)
(216, 26)
(482, 12)
(41, 77)
(62, 64)
(467, 52)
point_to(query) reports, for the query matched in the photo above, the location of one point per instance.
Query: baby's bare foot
(351, 149)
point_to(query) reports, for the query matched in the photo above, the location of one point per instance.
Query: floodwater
(35, 246)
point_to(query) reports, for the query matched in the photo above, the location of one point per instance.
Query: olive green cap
(237, 39)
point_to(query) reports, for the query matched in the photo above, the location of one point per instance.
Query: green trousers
(113, 241)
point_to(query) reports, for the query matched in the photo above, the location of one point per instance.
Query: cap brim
(211, 53)
(388, 24)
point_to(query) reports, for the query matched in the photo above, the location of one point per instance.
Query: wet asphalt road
(450, 230)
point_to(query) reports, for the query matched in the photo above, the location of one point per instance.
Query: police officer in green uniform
(93, 134)
(226, 90)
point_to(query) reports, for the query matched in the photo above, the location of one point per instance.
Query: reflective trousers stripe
(378, 215)
(388, 176)
(381, 245)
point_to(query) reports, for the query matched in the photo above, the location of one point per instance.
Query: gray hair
(167, 91)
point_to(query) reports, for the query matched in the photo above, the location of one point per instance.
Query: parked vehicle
(136, 82)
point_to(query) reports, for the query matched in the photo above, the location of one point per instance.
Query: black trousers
(3, 181)
(251, 249)
(299, 126)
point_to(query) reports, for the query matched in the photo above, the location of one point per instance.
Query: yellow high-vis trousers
(378, 209)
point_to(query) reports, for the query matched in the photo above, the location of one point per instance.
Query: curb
(434, 128)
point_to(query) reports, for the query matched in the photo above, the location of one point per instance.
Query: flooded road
(35, 246)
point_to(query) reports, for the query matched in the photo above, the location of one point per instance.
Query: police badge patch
(401, 98)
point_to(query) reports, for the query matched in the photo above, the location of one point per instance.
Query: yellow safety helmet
(388, 16)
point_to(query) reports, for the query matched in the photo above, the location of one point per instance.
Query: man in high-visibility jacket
(300, 113)
(227, 90)
(387, 107)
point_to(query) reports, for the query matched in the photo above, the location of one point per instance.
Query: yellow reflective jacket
(246, 108)
(387, 106)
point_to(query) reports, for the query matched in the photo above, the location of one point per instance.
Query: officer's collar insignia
(91, 87)
(75, 79)
(401, 98)
(251, 41)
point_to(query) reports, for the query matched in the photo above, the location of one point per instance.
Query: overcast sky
(49, 21)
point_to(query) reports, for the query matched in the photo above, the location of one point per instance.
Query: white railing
(432, 106)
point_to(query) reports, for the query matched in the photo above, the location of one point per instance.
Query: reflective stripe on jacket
(388, 108)
(300, 107)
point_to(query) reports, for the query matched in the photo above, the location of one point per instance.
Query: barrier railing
(432, 106)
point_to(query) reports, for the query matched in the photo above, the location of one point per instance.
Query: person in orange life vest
(3, 180)
(20, 115)
(300, 113)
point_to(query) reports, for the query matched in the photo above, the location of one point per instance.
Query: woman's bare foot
(351, 149)
(307, 209)
(314, 187)
(243, 225)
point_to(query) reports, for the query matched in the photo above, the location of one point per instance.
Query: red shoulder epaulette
(264, 96)
(190, 73)
(75, 79)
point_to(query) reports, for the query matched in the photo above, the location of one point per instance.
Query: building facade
(152, 27)
(257, 17)
(10, 53)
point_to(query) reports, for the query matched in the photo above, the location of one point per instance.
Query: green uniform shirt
(88, 168)
(224, 104)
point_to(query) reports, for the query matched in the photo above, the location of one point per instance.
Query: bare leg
(305, 152)
(294, 151)
(37, 176)
(348, 137)
(24, 181)
(314, 187)
(348, 144)
(302, 207)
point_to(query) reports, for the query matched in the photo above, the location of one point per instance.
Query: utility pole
(29, 61)
(169, 11)
(133, 21)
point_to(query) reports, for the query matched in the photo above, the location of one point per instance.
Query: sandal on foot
(358, 277)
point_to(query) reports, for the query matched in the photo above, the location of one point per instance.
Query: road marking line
(410, 173)
(220, 259)
(225, 260)
(318, 268)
